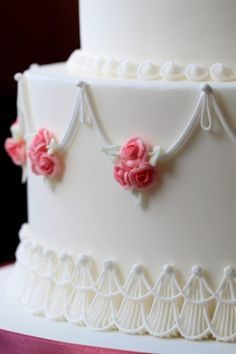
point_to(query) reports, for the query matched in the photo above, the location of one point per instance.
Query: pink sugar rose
(138, 178)
(38, 145)
(42, 163)
(143, 176)
(133, 152)
(16, 149)
(46, 165)
(121, 175)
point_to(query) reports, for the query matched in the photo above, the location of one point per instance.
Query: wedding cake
(129, 151)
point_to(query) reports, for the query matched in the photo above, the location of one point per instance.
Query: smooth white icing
(61, 287)
(188, 31)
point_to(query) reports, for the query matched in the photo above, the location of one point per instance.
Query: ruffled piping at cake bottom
(62, 288)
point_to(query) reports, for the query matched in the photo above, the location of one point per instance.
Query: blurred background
(42, 32)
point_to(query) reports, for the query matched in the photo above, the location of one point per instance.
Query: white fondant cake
(93, 253)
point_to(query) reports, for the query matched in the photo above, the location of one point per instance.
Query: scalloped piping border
(80, 63)
(62, 288)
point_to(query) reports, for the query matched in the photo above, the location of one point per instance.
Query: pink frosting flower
(133, 171)
(47, 165)
(16, 149)
(138, 178)
(143, 176)
(39, 144)
(43, 163)
(133, 152)
(121, 175)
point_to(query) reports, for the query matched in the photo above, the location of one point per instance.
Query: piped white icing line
(80, 63)
(171, 71)
(219, 72)
(63, 287)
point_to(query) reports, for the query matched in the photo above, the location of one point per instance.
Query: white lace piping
(60, 287)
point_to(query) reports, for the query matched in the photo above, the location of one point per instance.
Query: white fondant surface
(190, 218)
(15, 318)
(202, 32)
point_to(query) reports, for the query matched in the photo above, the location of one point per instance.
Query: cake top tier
(187, 31)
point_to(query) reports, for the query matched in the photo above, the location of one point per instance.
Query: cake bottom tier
(63, 288)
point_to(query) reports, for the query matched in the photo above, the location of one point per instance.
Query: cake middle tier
(190, 215)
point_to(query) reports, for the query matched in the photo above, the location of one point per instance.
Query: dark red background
(44, 31)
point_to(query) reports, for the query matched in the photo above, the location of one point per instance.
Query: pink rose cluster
(43, 163)
(133, 170)
(16, 149)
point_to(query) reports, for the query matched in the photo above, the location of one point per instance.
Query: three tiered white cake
(131, 172)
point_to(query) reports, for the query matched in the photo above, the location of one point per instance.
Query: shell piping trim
(79, 63)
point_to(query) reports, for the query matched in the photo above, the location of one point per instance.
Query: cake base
(15, 318)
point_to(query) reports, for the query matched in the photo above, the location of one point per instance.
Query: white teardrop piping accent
(127, 70)
(23, 105)
(95, 67)
(62, 287)
(73, 125)
(110, 68)
(221, 73)
(194, 73)
(171, 71)
(88, 114)
(148, 71)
